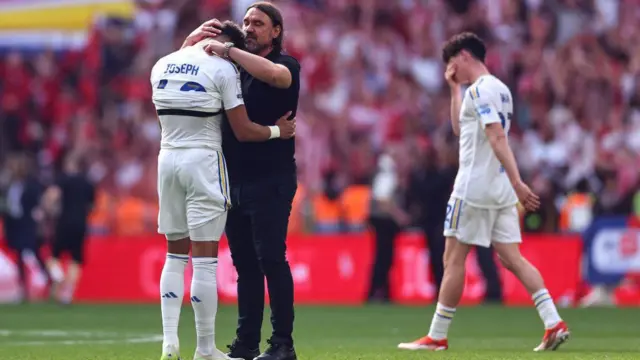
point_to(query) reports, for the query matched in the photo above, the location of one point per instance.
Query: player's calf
(530, 277)
(450, 293)
(204, 295)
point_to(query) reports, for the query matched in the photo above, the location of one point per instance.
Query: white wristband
(275, 132)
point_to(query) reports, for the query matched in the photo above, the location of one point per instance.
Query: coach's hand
(287, 127)
(209, 29)
(527, 198)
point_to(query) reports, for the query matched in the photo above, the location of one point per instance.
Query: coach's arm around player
(263, 69)
(247, 131)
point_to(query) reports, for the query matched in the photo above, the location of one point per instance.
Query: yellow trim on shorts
(222, 176)
(455, 214)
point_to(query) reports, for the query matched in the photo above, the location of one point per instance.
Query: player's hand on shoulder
(287, 127)
(527, 197)
(209, 29)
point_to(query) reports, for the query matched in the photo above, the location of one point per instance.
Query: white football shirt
(190, 79)
(481, 180)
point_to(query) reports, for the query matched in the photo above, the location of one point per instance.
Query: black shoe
(278, 351)
(237, 350)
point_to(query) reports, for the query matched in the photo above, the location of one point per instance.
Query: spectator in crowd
(387, 217)
(70, 199)
(370, 77)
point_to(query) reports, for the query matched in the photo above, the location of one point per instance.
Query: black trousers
(435, 243)
(21, 244)
(70, 238)
(385, 230)
(257, 231)
(487, 264)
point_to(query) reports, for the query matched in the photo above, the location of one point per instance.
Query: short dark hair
(234, 33)
(464, 41)
(276, 18)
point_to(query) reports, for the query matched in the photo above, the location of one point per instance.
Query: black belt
(192, 113)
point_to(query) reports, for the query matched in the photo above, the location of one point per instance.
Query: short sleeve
(483, 100)
(228, 83)
(294, 68)
(155, 73)
(290, 63)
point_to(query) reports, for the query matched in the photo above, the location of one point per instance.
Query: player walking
(482, 209)
(192, 92)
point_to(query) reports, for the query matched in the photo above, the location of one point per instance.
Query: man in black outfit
(71, 199)
(21, 215)
(263, 182)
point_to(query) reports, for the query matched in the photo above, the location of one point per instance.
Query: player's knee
(511, 261)
(455, 257)
(507, 264)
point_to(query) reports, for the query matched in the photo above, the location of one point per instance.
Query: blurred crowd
(372, 80)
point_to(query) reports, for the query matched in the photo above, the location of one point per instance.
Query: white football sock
(440, 323)
(204, 298)
(546, 308)
(171, 294)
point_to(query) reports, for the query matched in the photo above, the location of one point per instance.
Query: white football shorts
(480, 227)
(193, 193)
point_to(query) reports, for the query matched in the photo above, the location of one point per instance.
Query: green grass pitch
(131, 332)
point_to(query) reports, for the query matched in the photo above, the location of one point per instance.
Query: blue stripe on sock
(539, 296)
(444, 317)
(178, 257)
(542, 302)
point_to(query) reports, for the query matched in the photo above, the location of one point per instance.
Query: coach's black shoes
(238, 351)
(278, 351)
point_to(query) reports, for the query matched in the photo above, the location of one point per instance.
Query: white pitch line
(52, 334)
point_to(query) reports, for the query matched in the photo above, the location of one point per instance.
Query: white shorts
(193, 190)
(480, 227)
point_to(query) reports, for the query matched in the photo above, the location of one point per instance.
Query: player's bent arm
(456, 104)
(247, 131)
(500, 145)
(263, 69)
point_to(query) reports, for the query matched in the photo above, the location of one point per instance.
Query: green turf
(30, 332)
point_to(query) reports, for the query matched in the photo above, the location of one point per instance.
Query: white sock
(441, 320)
(171, 294)
(204, 298)
(546, 308)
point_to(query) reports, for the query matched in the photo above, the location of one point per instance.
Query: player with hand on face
(482, 209)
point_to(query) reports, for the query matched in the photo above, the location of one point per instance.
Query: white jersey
(481, 180)
(193, 89)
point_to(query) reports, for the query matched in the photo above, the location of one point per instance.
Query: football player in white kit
(482, 209)
(192, 92)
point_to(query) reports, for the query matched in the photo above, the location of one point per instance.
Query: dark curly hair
(464, 41)
(234, 33)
